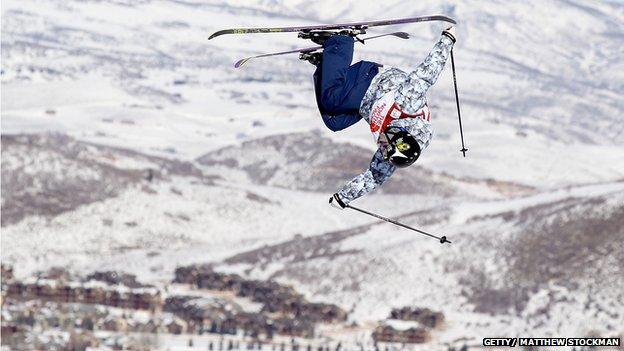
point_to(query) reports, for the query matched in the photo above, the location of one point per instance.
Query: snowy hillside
(130, 143)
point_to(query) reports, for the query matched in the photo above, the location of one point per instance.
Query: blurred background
(156, 198)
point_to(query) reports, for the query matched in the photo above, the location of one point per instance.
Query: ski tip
(241, 62)
(445, 19)
(219, 33)
(402, 35)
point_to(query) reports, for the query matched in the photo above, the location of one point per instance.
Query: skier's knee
(333, 124)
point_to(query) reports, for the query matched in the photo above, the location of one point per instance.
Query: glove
(335, 201)
(450, 33)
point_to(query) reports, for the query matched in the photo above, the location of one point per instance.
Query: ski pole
(390, 220)
(461, 131)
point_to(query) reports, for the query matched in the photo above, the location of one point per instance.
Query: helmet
(402, 148)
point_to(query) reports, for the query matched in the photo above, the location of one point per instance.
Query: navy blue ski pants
(340, 86)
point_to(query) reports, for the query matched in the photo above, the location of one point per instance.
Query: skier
(392, 101)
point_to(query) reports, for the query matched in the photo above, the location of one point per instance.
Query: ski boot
(312, 57)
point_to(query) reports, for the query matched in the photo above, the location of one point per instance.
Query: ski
(355, 25)
(243, 61)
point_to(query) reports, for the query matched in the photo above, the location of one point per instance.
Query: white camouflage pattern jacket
(410, 90)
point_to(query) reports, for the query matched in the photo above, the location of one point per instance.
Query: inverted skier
(392, 101)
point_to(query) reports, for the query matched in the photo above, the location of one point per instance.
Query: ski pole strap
(450, 36)
(338, 200)
(442, 239)
(461, 131)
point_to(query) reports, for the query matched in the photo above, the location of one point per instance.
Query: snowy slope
(166, 155)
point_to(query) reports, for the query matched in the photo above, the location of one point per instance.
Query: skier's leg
(333, 122)
(340, 122)
(337, 56)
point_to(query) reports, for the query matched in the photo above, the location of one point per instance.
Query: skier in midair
(392, 101)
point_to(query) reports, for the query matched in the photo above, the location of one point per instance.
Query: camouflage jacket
(409, 91)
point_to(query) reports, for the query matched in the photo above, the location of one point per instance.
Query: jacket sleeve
(428, 71)
(377, 173)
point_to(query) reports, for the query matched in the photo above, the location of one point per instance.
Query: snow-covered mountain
(130, 142)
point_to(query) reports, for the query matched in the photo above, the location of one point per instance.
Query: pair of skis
(303, 30)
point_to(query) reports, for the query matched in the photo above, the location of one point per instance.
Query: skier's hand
(450, 33)
(336, 202)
